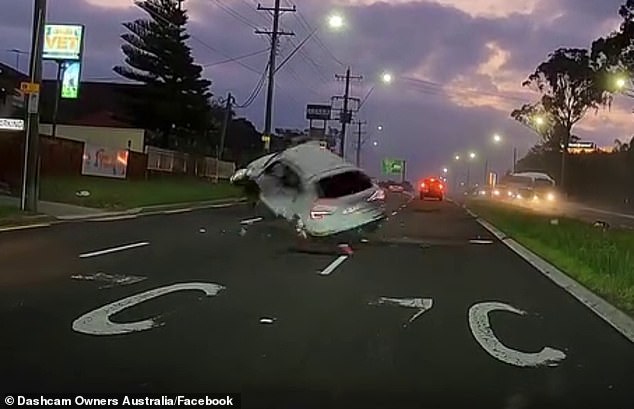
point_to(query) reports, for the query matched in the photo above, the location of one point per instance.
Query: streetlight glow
(472, 155)
(380, 127)
(335, 21)
(620, 83)
(457, 157)
(445, 170)
(375, 143)
(497, 138)
(539, 120)
(386, 77)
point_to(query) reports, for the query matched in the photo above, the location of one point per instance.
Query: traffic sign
(393, 166)
(30, 87)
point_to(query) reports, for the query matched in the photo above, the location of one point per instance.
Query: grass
(11, 215)
(124, 194)
(602, 261)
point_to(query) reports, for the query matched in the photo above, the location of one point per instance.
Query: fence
(163, 160)
(63, 158)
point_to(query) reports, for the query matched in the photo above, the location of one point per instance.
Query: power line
(256, 90)
(303, 21)
(234, 59)
(437, 87)
(235, 14)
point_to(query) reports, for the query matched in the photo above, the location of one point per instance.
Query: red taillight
(320, 211)
(377, 195)
(422, 185)
(440, 186)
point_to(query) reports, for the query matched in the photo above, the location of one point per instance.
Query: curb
(620, 321)
(157, 209)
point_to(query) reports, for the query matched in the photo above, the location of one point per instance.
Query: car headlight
(496, 193)
(550, 197)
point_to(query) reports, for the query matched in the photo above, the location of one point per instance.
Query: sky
(457, 66)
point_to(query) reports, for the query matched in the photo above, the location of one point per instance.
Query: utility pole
(225, 124)
(514, 160)
(346, 115)
(29, 194)
(359, 133)
(275, 33)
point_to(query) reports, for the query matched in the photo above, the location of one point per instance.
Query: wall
(102, 136)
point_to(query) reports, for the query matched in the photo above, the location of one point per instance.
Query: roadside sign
(321, 112)
(11, 124)
(30, 87)
(70, 80)
(392, 166)
(63, 42)
(34, 103)
(266, 138)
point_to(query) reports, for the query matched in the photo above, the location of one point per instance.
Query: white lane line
(114, 249)
(336, 263)
(608, 212)
(251, 221)
(28, 226)
(110, 219)
(481, 241)
(394, 213)
(176, 211)
(219, 206)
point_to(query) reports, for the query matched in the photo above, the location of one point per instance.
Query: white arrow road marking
(332, 266)
(422, 304)
(97, 322)
(114, 249)
(483, 333)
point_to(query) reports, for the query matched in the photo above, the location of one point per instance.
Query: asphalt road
(400, 323)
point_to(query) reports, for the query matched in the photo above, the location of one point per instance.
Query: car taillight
(440, 186)
(320, 211)
(377, 195)
(422, 185)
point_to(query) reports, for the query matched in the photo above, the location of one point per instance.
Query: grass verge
(603, 261)
(13, 216)
(125, 194)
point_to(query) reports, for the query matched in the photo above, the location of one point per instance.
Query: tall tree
(614, 54)
(175, 103)
(568, 85)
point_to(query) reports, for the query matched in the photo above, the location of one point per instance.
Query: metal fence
(165, 160)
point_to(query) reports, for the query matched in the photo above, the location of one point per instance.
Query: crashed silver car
(316, 190)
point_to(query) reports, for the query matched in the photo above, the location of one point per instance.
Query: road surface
(430, 312)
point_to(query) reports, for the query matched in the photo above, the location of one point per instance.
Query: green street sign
(392, 166)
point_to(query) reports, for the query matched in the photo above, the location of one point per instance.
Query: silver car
(316, 190)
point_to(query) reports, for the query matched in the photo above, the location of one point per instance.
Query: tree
(569, 87)
(175, 101)
(614, 54)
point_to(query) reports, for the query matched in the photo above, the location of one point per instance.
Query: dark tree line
(571, 83)
(175, 104)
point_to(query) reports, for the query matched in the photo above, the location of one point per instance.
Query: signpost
(319, 112)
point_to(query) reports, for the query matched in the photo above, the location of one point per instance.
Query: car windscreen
(343, 184)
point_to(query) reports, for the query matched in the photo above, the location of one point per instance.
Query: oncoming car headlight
(496, 193)
(550, 197)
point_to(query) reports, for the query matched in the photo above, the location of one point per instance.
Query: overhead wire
(440, 89)
(256, 90)
(235, 14)
(234, 59)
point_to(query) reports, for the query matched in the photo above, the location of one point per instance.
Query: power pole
(29, 194)
(275, 33)
(225, 124)
(359, 133)
(346, 115)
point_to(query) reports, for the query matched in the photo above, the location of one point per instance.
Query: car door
(280, 187)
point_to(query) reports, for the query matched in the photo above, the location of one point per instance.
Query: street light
(375, 143)
(386, 78)
(379, 128)
(539, 120)
(621, 83)
(335, 21)
(472, 155)
(497, 138)
(457, 157)
(445, 170)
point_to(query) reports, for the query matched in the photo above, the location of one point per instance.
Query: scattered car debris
(82, 193)
(202, 230)
(109, 280)
(601, 224)
(266, 320)
(554, 222)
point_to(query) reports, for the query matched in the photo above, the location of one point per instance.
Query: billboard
(63, 42)
(70, 79)
(321, 112)
(104, 161)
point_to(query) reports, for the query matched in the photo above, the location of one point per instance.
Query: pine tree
(175, 100)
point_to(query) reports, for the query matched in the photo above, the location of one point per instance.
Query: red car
(432, 187)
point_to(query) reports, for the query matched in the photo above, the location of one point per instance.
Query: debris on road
(554, 222)
(422, 304)
(110, 280)
(202, 230)
(480, 241)
(82, 193)
(266, 320)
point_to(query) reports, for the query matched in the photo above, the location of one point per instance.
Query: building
(95, 117)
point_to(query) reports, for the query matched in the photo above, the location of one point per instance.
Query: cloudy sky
(457, 64)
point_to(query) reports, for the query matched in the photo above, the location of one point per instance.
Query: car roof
(313, 161)
(533, 175)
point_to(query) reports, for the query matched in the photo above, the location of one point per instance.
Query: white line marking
(394, 213)
(481, 241)
(336, 263)
(176, 211)
(219, 206)
(251, 221)
(97, 322)
(591, 209)
(483, 333)
(114, 249)
(610, 314)
(113, 218)
(267, 320)
(28, 226)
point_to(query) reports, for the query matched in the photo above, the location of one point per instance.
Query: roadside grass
(125, 194)
(12, 215)
(603, 261)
